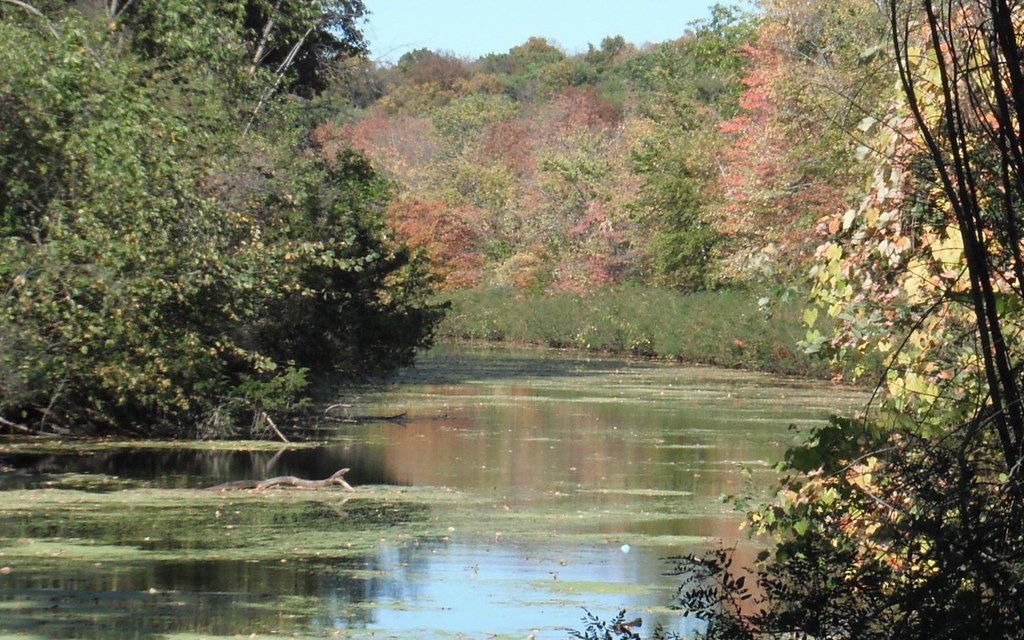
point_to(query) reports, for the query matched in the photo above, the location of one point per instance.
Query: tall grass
(724, 328)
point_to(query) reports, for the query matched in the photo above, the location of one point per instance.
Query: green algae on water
(80, 446)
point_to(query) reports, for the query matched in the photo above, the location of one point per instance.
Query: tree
(300, 37)
(159, 273)
(689, 87)
(973, 136)
(814, 70)
(423, 66)
(908, 524)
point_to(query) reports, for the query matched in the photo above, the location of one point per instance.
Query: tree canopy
(180, 255)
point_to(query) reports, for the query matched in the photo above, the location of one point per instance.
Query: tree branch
(36, 12)
(279, 73)
(264, 37)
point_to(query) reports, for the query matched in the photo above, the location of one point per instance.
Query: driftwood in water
(336, 480)
(351, 419)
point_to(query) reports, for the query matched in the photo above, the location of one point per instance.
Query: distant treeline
(695, 163)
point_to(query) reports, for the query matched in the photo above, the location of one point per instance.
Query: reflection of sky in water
(510, 589)
(433, 590)
(533, 431)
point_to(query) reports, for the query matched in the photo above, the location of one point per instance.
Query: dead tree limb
(397, 418)
(336, 480)
(270, 423)
(282, 69)
(14, 426)
(264, 38)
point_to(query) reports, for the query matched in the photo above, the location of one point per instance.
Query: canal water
(515, 490)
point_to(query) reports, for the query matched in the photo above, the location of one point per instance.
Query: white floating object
(625, 548)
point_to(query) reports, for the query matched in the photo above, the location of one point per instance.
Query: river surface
(516, 488)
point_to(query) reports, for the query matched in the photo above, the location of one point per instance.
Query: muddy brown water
(607, 467)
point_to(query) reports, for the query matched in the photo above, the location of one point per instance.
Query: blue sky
(473, 28)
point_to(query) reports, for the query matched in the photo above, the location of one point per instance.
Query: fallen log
(14, 425)
(336, 480)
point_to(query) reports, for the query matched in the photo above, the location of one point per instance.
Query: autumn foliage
(695, 163)
(520, 168)
(448, 235)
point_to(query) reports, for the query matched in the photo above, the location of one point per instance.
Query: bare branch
(282, 69)
(36, 12)
(264, 38)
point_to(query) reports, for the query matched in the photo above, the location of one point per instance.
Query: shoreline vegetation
(202, 228)
(179, 257)
(726, 328)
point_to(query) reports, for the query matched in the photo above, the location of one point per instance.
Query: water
(525, 475)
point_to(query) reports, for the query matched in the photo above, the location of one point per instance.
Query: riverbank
(725, 328)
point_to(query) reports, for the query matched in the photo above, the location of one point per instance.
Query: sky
(472, 28)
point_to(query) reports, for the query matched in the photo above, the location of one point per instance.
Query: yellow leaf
(810, 316)
(871, 216)
(833, 252)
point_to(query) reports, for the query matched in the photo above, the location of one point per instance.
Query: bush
(879, 533)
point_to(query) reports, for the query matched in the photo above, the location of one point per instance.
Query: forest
(224, 224)
(711, 163)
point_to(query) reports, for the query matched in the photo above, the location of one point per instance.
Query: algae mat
(521, 486)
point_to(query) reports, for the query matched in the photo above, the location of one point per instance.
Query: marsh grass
(726, 328)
